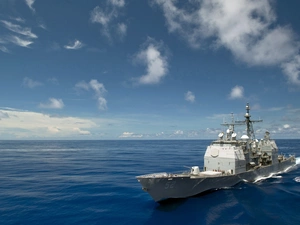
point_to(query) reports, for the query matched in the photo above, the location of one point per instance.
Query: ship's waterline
(227, 161)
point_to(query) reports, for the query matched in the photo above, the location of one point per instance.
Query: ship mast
(249, 123)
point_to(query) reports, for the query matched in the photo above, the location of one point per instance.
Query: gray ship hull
(164, 186)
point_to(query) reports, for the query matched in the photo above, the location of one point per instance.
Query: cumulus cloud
(26, 124)
(189, 96)
(74, 46)
(151, 55)
(106, 17)
(236, 92)
(27, 82)
(29, 3)
(53, 103)
(98, 89)
(245, 27)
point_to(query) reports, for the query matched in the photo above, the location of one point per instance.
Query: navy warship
(227, 161)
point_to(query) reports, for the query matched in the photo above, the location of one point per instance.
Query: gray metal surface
(227, 161)
(182, 186)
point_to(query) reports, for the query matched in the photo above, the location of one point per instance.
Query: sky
(155, 69)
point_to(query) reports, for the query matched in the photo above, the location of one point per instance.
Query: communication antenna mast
(247, 121)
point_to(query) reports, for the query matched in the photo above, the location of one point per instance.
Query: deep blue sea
(93, 182)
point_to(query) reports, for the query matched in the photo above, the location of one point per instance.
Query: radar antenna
(247, 121)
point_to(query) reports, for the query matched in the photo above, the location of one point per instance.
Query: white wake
(272, 175)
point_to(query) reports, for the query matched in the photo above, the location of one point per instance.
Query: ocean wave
(272, 175)
(93, 182)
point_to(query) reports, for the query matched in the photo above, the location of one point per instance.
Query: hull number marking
(170, 184)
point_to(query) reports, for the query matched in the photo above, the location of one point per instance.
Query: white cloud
(3, 115)
(178, 132)
(30, 3)
(130, 135)
(99, 16)
(54, 130)
(97, 87)
(292, 70)
(33, 125)
(102, 103)
(42, 25)
(106, 16)
(18, 29)
(23, 36)
(4, 49)
(99, 90)
(156, 63)
(82, 85)
(286, 126)
(189, 96)
(27, 82)
(19, 41)
(53, 103)
(74, 46)
(237, 92)
(119, 3)
(245, 27)
(81, 132)
(18, 19)
(122, 29)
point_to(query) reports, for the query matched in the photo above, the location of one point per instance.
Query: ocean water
(93, 182)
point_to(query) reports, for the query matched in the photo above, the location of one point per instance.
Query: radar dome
(245, 137)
